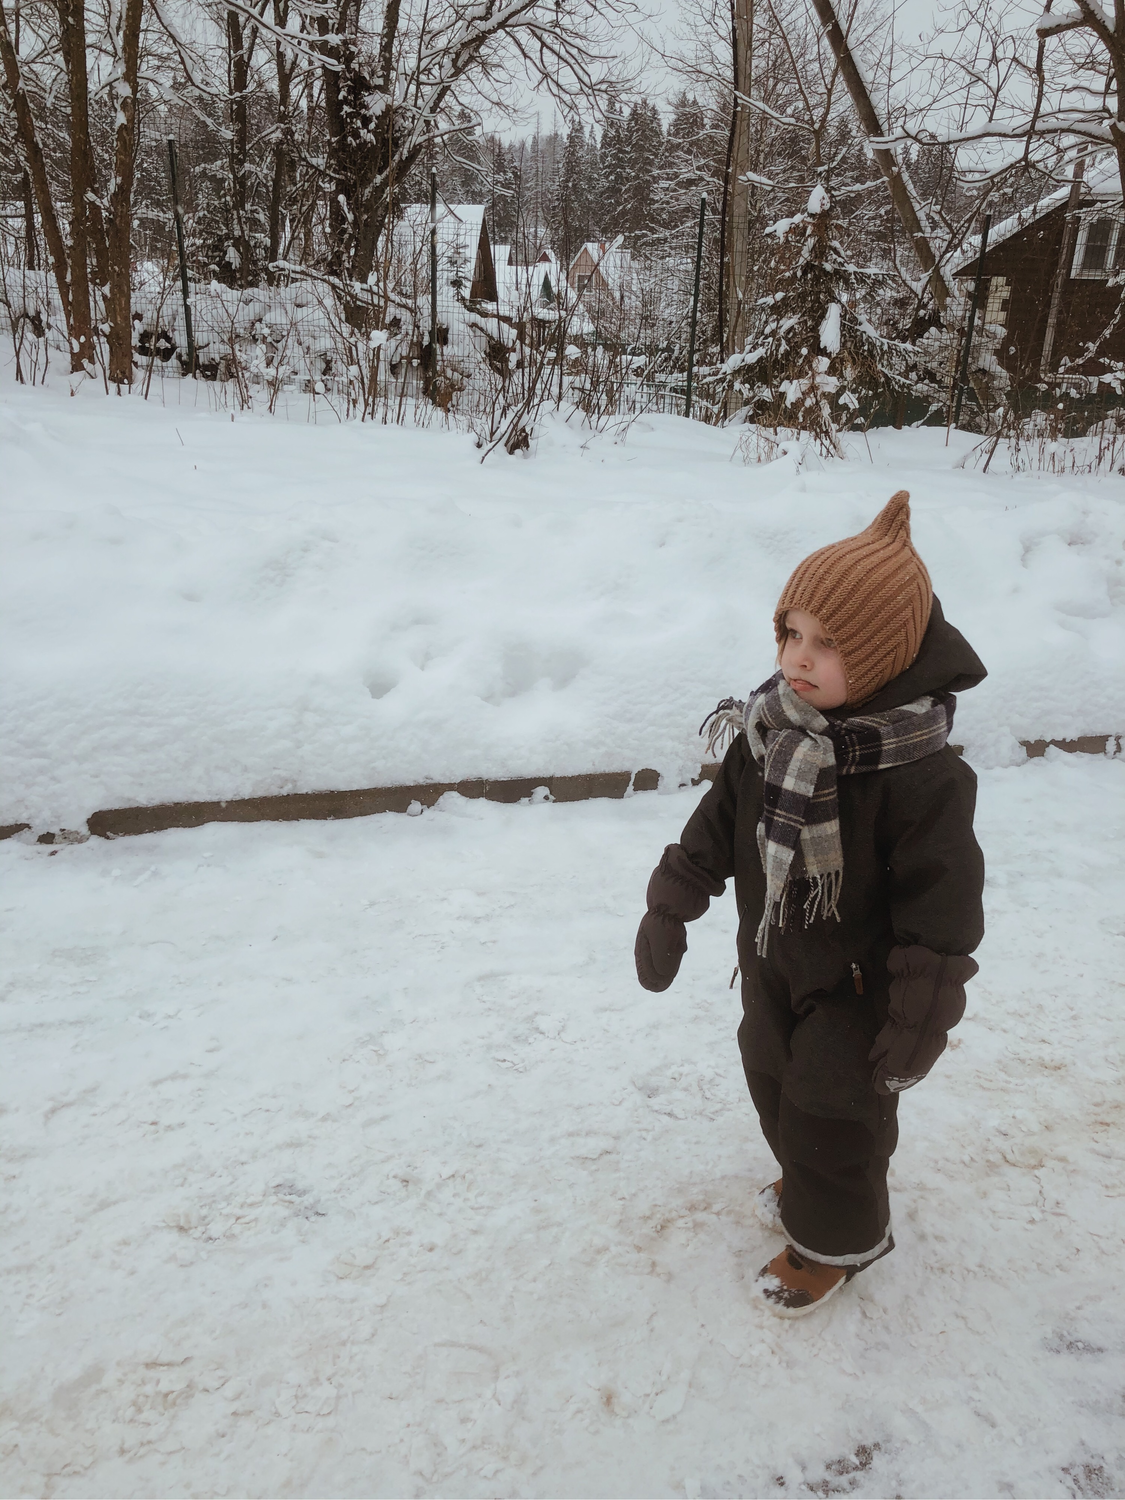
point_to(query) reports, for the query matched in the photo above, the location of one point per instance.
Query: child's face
(812, 666)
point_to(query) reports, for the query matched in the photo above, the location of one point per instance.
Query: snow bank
(349, 1159)
(195, 607)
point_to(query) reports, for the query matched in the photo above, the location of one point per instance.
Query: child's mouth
(802, 685)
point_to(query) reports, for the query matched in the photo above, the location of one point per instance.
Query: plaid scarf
(801, 754)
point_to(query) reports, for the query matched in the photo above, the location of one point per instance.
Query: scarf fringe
(824, 898)
(822, 901)
(723, 725)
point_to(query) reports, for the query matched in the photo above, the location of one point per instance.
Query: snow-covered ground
(349, 1159)
(195, 607)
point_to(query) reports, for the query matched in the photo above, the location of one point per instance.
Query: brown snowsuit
(839, 1014)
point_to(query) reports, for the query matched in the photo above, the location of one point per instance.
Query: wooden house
(602, 272)
(1050, 282)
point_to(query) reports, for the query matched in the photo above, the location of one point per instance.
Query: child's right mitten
(927, 1001)
(678, 892)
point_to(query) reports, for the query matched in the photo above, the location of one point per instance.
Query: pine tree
(688, 167)
(572, 202)
(503, 192)
(643, 149)
(612, 212)
(813, 361)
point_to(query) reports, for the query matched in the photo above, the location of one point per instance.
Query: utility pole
(735, 227)
(695, 304)
(885, 159)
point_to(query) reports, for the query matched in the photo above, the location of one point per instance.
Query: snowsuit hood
(945, 663)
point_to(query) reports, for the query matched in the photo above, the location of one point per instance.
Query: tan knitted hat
(873, 596)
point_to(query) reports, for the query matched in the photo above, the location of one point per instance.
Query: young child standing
(847, 823)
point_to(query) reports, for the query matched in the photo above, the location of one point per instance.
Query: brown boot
(767, 1206)
(791, 1285)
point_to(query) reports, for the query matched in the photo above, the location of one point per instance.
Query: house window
(583, 283)
(1100, 250)
(999, 298)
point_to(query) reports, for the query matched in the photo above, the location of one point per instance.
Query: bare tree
(388, 93)
(56, 61)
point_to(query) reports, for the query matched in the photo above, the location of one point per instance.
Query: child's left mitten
(678, 892)
(927, 1000)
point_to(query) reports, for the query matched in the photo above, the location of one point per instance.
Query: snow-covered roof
(612, 261)
(460, 227)
(520, 285)
(1100, 182)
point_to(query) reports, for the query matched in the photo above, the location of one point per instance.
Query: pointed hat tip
(894, 518)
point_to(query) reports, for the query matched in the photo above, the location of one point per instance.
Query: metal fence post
(433, 362)
(967, 350)
(178, 215)
(695, 305)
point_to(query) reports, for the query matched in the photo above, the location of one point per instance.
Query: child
(847, 823)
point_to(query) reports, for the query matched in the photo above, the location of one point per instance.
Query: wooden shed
(1050, 282)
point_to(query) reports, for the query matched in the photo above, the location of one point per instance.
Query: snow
(350, 1159)
(819, 200)
(203, 605)
(830, 329)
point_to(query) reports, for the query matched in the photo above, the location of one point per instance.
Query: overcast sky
(910, 19)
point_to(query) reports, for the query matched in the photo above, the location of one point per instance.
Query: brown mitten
(927, 1001)
(678, 892)
(661, 944)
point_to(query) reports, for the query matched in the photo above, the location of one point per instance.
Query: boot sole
(801, 1312)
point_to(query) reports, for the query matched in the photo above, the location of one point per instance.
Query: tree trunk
(885, 160)
(31, 249)
(239, 79)
(72, 31)
(121, 196)
(332, 48)
(737, 195)
(281, 143)
(36, 167)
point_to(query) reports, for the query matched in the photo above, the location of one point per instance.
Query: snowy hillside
(195, 607)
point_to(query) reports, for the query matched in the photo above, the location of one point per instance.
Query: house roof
(458, 231)
(520, 286)
(461, 237)
(1101, 182)
(613, 262)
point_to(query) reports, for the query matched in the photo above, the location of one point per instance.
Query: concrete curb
(119, 822)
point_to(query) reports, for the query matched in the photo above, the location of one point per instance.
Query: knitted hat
(873, 596)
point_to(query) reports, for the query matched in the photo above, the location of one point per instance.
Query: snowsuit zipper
(926, 1027)
(857, 978)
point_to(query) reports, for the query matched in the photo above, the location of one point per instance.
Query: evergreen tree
(688, 167)
(612, 212)
(572, 204)
(813, 360)
(643, 149)
(462, 167)
(503, 192)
